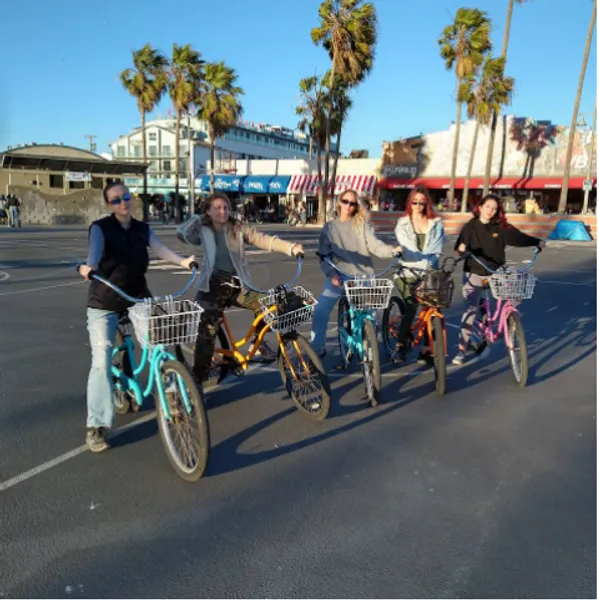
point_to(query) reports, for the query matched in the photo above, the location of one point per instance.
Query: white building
(246, 141)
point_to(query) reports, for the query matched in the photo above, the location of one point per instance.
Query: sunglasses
(349, 203)
(418, 203)
(124, 198)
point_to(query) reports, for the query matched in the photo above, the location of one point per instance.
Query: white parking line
(9, 483)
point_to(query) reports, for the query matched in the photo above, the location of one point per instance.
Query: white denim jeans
(102, 327)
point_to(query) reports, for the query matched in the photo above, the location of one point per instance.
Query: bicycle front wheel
(517, 349)
(184, 431)
(304, 377)
(371, 363)
(440, 364)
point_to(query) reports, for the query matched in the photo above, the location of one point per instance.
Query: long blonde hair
(360, 216)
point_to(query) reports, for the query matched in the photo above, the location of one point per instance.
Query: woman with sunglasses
(420, 233)
(348, 241)
(118, 251)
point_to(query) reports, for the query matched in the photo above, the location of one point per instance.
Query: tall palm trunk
(454, 158)
(470, 164)
(321, 197)
(322, 210)
(177, 153)
(335, 162)
(145, 204)
(491, 146)
(563, 198)
(212, 152)
(310, 150)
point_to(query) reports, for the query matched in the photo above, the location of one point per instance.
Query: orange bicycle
(282, 309)
(432, 289)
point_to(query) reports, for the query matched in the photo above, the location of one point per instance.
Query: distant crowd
(10, 210)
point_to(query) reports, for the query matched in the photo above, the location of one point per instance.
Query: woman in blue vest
(118, 251)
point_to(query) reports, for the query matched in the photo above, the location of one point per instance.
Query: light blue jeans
(102, 326)
(320, 319)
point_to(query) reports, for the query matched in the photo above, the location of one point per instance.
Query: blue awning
(279, 184)
(222, 183)
(256, 184)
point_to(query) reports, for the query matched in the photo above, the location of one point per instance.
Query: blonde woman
(348, 241)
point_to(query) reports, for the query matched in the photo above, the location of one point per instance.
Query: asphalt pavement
(489, 492)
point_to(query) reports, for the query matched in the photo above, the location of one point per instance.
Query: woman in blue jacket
(420, 233)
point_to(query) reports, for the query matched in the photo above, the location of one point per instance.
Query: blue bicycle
(157, 323)
(356, 324)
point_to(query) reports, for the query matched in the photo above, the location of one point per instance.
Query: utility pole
(588, 184)
(92, 143)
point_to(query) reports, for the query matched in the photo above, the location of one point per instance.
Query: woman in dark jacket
(486, 236)
(118, 251)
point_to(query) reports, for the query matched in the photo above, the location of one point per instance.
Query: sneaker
(399, 356)
(459, 358)
(95, 438)
(425, 358)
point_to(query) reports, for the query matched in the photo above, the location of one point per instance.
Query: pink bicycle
(508, 287)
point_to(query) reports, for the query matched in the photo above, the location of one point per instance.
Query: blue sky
(62, 58)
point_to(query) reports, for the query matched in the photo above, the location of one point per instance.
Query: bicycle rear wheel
(518, 352)
(309, 388)
(440, 364)
(185, 435)
(371, 363)
(391, 323)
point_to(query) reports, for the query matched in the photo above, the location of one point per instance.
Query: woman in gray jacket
(420, 233)
(349, 241)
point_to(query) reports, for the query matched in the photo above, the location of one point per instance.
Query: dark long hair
(499, 217)
(429, 212)
(208, 203)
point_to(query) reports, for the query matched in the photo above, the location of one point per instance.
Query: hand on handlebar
(336, 280)
(397, 251)
(297, 250)
(189, 263)
(84, 271)
(461, 248)
(541, 245)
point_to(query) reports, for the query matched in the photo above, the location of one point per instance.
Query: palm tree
(186, 73)
(531, 137)
(463, 46)
(494, 90)
(563, 198)
(491, 146)
(313, 118)
(347, 31)
(219, 105)
(342, 104)
(146, 82)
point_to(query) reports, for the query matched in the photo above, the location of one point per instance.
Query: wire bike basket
(512, 285)
(293, 307)
(165, 323)
(368, 293)
(435, 288)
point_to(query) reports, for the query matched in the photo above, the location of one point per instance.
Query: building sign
(69, 176)
(255, 186)
(226, 184)
(401, 171)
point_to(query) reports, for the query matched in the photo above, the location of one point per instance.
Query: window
(56, 181)
(137, 151)
(166, 166)
(121, 151)
(97, 183)
(76, 185)
(182, 165)
(166, 151)
(152, 150)
(152, 136)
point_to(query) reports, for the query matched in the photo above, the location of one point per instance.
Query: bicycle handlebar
(326, 258)
(290, 284)
(93, 275)
(535, 256)
(418, 272)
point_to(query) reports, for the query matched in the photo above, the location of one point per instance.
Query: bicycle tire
(439, 360)
(371, 363)
(389, 340)
(184, 352)
(343, 322)
(194, 472)
(521, 374)
(309, 355)
(123, 401)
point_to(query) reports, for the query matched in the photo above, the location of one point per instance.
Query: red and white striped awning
(308, 184)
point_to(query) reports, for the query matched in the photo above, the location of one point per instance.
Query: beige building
(60, 170)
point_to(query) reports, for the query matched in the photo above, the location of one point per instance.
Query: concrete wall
(81, 207)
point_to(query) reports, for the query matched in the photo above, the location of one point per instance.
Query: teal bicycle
(157, 323)
(356, 323)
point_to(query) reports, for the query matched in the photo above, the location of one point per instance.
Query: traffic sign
(587, 186)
